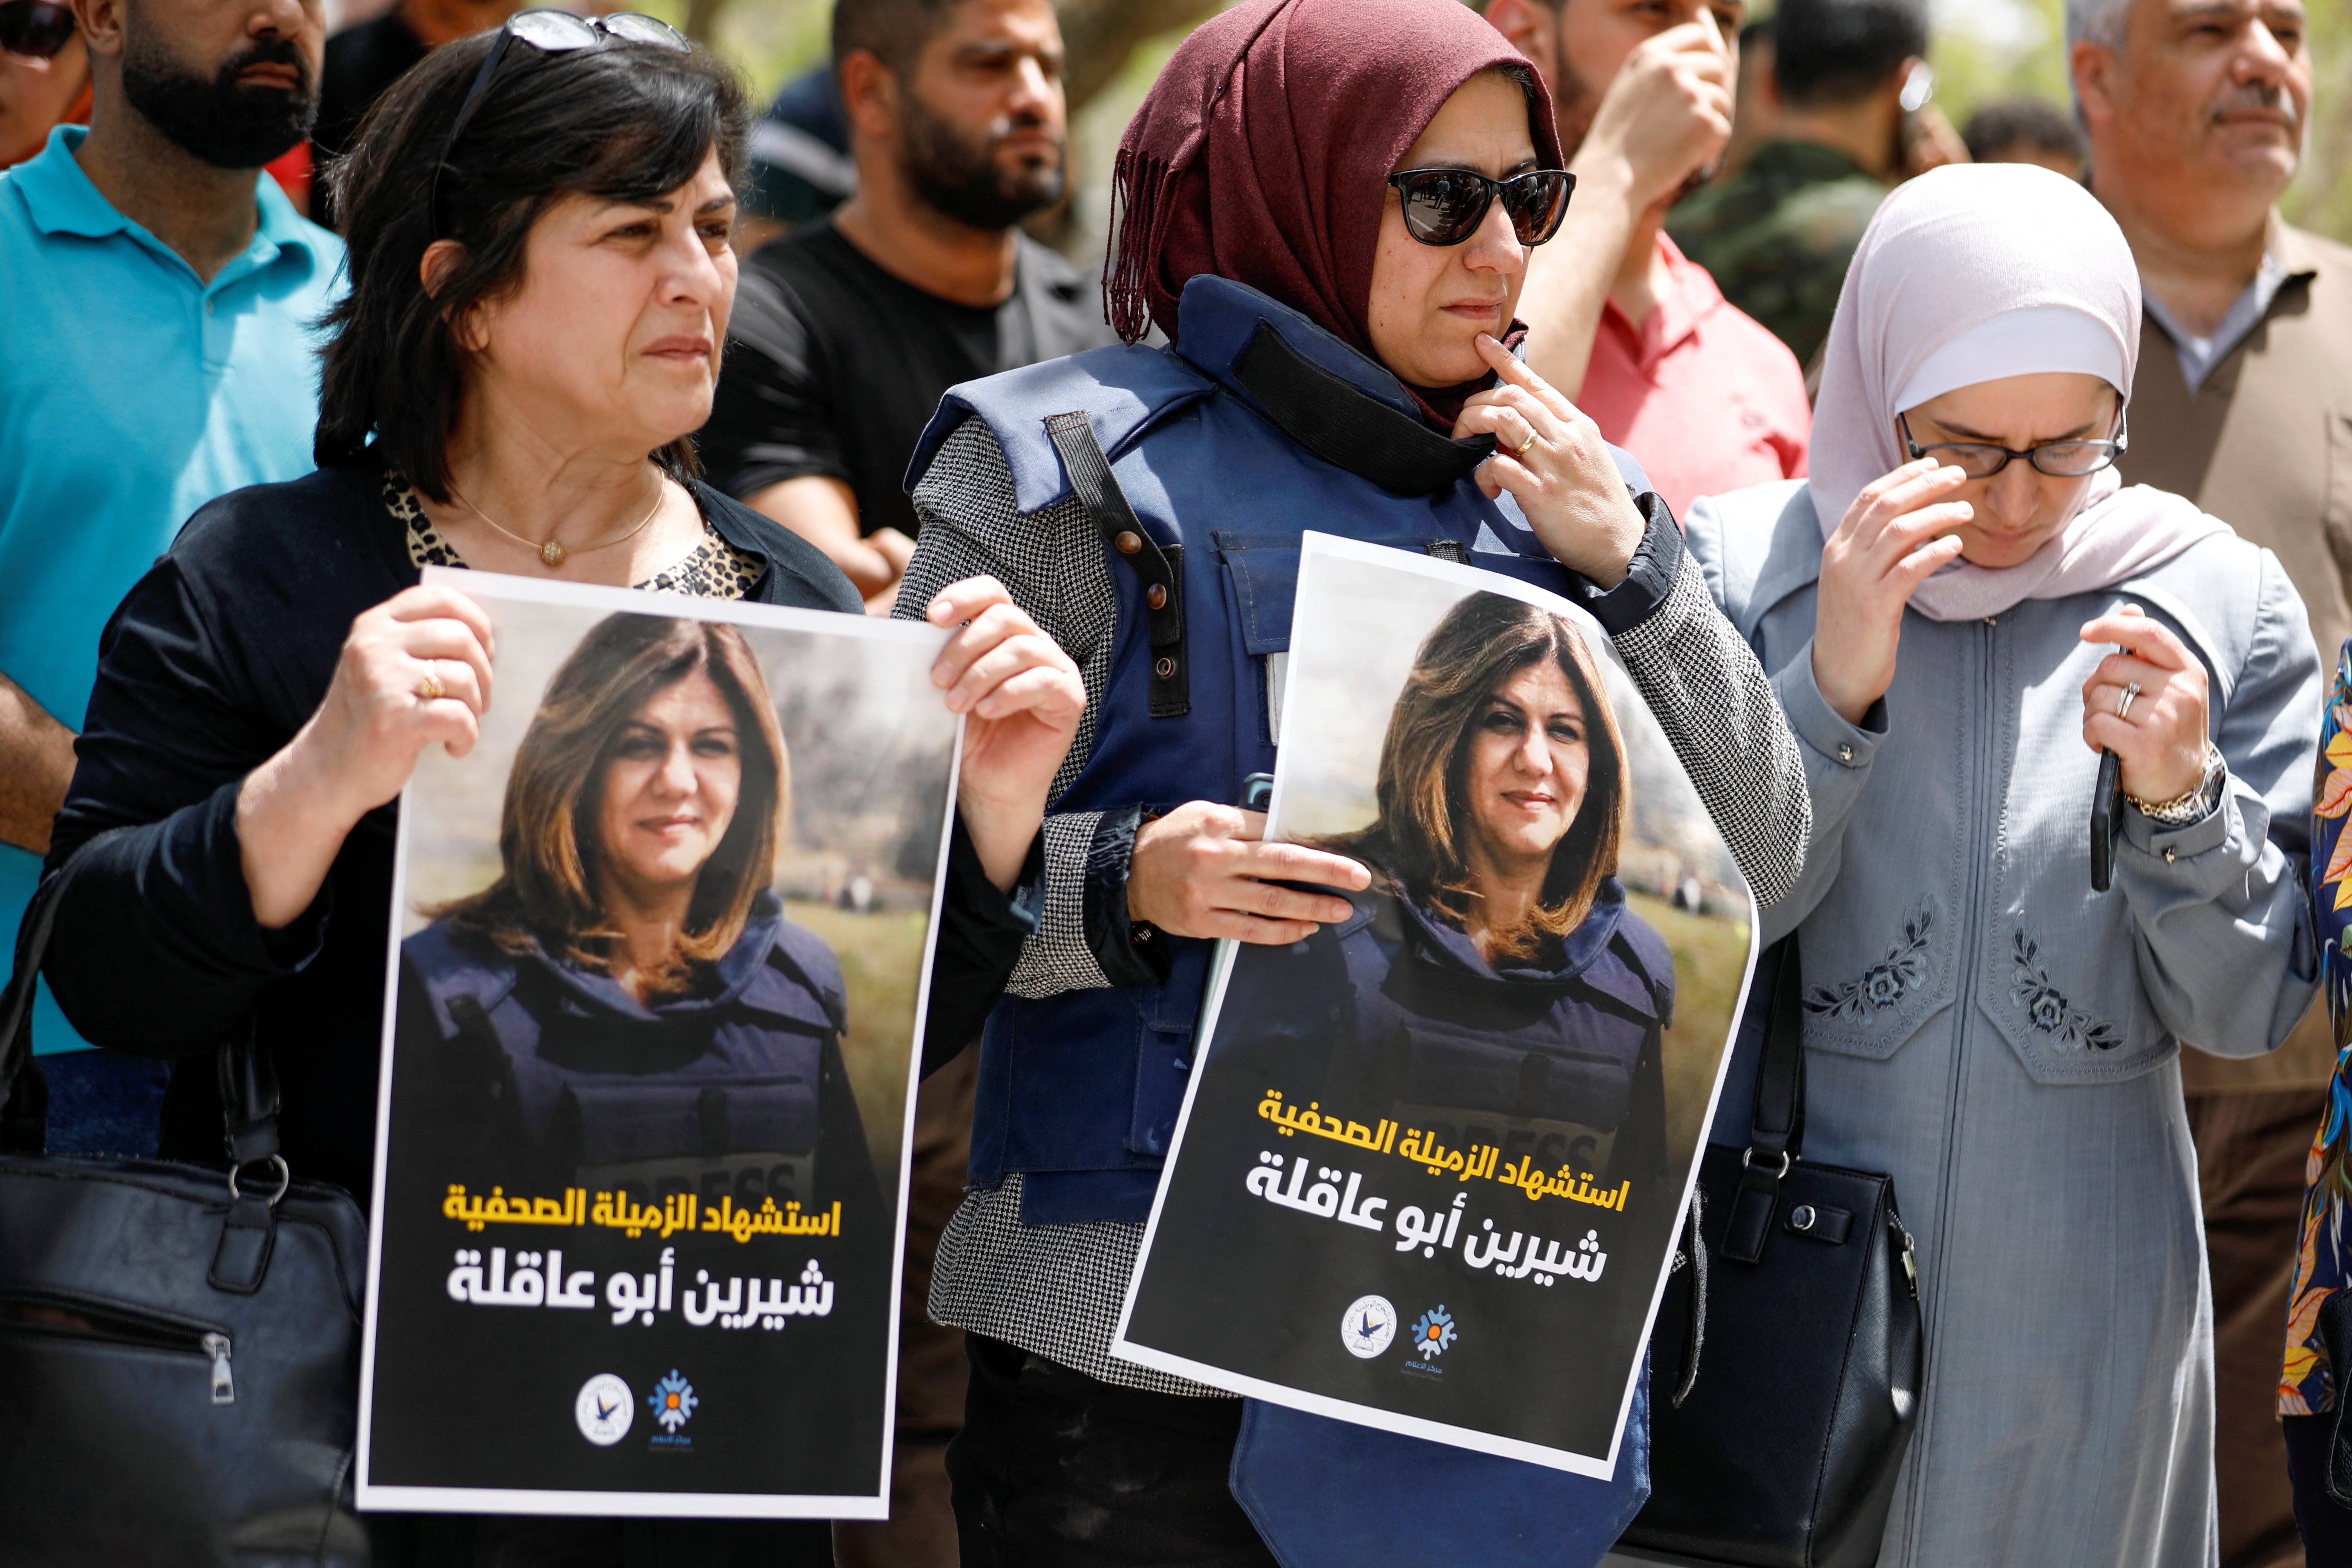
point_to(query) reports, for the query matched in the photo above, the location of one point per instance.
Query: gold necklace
(552, 551)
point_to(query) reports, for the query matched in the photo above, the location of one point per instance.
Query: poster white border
(373, 1497)
(1313, 549)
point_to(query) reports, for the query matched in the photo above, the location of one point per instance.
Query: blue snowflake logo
(1432, 1334)
(673, 1401)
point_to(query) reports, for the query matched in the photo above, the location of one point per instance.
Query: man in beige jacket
(2196, 111)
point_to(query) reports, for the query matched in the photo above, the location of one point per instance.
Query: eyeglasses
(36, 29)
(551, 33)
(2059, 459)
(1445, 206)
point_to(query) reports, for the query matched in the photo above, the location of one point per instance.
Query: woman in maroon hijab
(1327, 208)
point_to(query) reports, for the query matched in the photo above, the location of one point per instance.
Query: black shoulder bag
(179, 1346)
(1799, 1281)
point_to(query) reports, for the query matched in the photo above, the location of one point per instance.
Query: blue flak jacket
(1411, 1011)
(1080, 1091)
(730, 1089)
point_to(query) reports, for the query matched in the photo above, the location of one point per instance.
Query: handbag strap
(23, 1089)
(249, 1091)
(1776, 1127)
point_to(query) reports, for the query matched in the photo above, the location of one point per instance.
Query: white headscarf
(1970, 273)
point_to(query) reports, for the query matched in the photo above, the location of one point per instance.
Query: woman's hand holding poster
(1433, 1164)
(658, 955)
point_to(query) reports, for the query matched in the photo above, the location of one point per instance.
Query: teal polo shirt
(131, 394)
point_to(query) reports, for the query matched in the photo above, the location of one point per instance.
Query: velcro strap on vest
(1161, 570)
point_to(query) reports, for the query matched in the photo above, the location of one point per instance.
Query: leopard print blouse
(715, 570)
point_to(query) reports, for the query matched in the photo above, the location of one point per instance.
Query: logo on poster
(673, 1400)
(1432, 1334)
(604, 1409)
(1368, 1327)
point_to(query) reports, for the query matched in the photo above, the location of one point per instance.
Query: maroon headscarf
(1262, 152)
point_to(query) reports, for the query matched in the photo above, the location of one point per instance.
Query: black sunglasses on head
(551, 33)
(1445, 206)
(36, 29)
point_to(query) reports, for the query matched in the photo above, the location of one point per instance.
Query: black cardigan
(212, 662)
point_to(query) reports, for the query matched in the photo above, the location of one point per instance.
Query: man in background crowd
(1778, 236)
(2025, 130)
(362, 61)
(845, 334)
(43, 76)
(1617, 318)
(156, 350)
(2195, 114)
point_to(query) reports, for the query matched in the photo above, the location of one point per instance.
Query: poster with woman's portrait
(1431, 1167)
(659, 942)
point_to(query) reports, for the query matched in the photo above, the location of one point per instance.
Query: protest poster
(1433, 1161)
(659, 948)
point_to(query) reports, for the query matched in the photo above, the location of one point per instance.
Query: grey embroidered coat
(2003, 1041)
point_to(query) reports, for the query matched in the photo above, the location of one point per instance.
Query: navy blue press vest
(715, 1093)
(1080, 1091)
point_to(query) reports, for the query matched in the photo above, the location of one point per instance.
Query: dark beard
(1574, 102)
(217, 121)
(959, 176)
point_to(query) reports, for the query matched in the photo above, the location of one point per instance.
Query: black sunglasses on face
(34, 29)
(2059, 459)
(551, 33)
(1445, 206)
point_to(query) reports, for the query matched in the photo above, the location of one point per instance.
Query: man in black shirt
(845, 334)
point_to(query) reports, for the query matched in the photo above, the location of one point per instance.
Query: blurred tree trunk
(702, 19)
(1100, 34)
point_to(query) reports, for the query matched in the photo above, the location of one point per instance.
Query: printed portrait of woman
(1492, 986)
(626, 1008)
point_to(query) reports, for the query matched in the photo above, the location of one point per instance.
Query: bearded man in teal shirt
(157, 338)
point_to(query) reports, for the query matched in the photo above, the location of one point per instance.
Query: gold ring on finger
(1524, 447)
(2124, 702)
(430, 689)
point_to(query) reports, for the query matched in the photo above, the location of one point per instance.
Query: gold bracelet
(2178, 809)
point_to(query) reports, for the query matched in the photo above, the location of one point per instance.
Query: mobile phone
(2106, 820)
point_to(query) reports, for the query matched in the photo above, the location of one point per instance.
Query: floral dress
(2323, 1260)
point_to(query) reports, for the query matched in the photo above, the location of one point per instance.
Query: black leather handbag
(179, 1345)
(1797, 1287)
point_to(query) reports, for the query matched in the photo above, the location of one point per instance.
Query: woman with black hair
(539, 285)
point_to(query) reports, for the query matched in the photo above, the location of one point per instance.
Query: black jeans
(105, 1102)
(2325, 1524)
(1055, 1469)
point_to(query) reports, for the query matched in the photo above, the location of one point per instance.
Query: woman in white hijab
(1961, 608)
